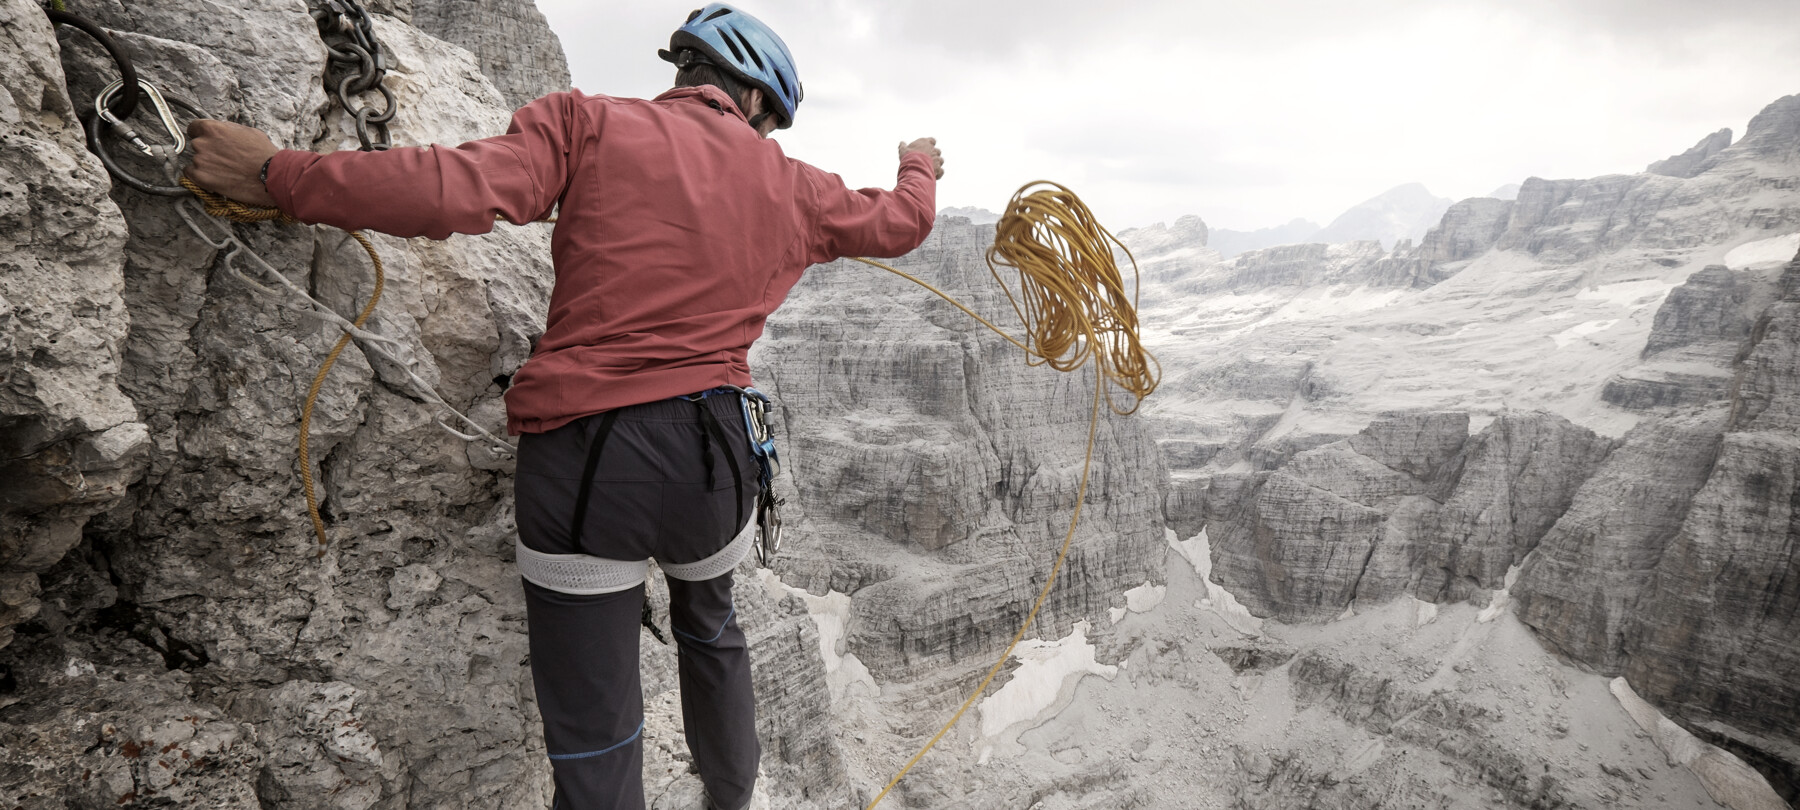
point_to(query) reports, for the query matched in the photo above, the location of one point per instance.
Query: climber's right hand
(228, 160)
(928, 148)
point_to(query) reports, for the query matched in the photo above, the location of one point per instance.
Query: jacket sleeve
(435, 191)
(873, 221)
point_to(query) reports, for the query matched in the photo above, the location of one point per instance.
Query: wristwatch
(263, 177)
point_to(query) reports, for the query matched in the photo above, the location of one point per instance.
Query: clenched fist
(928, 148)
(228, 160)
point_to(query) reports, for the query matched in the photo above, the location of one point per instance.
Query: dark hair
(696, 74)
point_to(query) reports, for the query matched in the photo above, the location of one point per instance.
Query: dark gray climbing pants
(662, 487)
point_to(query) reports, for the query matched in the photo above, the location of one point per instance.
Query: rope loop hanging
(1072, 304)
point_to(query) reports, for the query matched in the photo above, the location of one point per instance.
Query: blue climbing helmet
(741, 44)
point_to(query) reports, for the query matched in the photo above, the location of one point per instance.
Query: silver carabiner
(103, 103)
(768, 528)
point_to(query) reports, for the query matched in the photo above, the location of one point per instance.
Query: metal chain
(356, 65)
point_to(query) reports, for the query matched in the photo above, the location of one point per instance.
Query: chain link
(356, 65)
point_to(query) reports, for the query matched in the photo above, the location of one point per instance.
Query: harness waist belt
(587, 575)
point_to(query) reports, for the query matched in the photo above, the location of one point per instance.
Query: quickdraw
(757, 407)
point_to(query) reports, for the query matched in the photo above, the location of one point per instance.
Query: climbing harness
(586, 574)
(357, 63)
(1071, 301)
(1074, 309)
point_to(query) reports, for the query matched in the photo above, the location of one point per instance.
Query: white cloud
(1249, 114)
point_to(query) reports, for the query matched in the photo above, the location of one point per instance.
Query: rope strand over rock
(1074, 310)
(234, 211)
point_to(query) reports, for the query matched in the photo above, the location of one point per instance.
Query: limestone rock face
(1694, 340)
(1693, 161)
(1717, 629)
(1411, 505)
(1547, 301)
(511, 39)
(936, 472)
(70, 442)
(150, 403)
(1581, 589)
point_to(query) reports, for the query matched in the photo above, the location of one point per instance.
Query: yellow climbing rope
(226, 208)
(1074, 309)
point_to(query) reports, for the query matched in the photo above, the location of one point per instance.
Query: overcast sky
(1246, 113)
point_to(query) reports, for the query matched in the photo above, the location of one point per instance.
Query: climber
(681, 227)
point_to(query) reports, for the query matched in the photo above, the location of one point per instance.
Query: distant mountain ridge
(1402, 212)
(1230, 243)
(977, 215)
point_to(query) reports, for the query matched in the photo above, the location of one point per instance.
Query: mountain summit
(1402, 212)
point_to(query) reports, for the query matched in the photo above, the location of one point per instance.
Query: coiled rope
(1072, 304)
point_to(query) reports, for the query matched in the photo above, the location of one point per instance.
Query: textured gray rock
(70, 442)
(1468, 229)
(158, 394)
(1504, 491)
(1460, 731)
(1580, 590)
(1694, 160)
(512, 40)
(936, 472)
(1696, 337)
(1411, 505)
(1716, 635)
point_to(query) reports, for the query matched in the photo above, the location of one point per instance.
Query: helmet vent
(748, 48)
(783, 82)
(713, 16)
(735, 53)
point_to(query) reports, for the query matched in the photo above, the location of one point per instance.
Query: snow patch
(1198, 552)
(1779, 250)
(1046, 669)
(1324, 304)
(1581, 330)
(1501, 600)
(831, 613)
(1632, 294)
(1729, 780)
(1142, 599)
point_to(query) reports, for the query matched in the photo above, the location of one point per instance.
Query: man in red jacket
(681, 227)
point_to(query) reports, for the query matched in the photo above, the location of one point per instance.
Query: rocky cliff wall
(934, 472)
(1667, 556)
(70, 441)
(177, 636)
(1412, 505)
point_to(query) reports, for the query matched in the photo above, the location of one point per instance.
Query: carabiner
(164, 103)
(103, 103)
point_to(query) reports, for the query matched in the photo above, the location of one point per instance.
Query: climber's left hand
(228, 160)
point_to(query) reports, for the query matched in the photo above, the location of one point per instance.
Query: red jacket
(679, 231)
